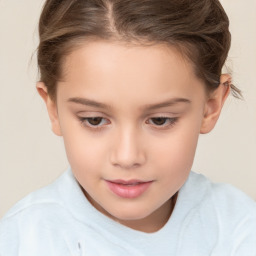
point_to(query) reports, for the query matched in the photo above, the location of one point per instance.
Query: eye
(94, 122)
(162, 121)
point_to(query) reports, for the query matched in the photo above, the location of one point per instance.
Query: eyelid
(171, 120)
(84, 122)
(170, 124)
(90, 114)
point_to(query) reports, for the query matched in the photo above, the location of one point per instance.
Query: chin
(129, 214)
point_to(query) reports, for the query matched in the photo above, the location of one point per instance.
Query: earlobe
(51, 108)
(214, 104)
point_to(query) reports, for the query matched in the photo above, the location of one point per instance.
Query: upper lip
(128, 182)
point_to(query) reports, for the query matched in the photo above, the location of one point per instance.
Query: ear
(51, 108)
(215, 103)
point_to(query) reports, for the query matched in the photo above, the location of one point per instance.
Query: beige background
(31, 156)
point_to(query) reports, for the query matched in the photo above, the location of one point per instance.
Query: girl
(130, 85)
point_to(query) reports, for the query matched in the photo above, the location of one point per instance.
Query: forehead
(107, 55)
(106, 66)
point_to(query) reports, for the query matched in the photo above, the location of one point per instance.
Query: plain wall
(31, 156)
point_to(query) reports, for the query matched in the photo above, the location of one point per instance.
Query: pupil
(95, 120)
(159, 120)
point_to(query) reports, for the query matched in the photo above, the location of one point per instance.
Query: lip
(128, 189)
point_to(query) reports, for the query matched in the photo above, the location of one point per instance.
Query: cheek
(175, 154)
(83, 151)
(86, 160)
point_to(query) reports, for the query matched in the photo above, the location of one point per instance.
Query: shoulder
(39, 206)
(226, 211)
(224, 197)
(46, 197)
(50, 200)
(37, 219)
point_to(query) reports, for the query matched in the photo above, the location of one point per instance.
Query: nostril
(126, 166)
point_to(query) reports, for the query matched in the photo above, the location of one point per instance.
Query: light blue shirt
(208, 219)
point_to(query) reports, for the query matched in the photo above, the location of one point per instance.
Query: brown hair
(198, 28)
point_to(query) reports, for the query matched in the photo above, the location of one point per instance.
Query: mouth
(129, 188)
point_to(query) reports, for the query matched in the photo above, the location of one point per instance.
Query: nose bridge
(127, 149)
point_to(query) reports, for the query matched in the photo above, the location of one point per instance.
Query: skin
(128, 141)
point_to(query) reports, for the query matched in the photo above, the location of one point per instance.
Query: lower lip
(131, 191)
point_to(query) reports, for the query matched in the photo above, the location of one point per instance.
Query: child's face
(132, 116)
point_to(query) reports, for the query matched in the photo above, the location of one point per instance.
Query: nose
(127, 151)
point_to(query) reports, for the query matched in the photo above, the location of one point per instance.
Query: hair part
(199, 29)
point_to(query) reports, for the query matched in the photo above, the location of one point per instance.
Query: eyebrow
(88, 102)
(167, 103)
(92, 103)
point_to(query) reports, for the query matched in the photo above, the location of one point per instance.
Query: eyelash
(171, 122)
(85, 121)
